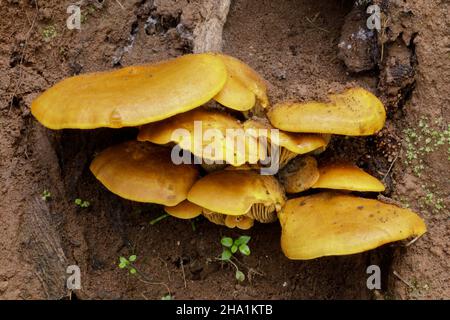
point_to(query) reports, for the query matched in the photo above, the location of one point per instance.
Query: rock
(357, 45)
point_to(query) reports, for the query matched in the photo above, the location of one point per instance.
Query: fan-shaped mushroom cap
(345, 176)
(241, 77)
(143, 172)
(133, 95)
(234, 192)
(162, 132)
(184, 210)
(299, 174)
(328, 224)
(355, 112)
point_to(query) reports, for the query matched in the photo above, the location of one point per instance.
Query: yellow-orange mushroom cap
(241, 222)
(242, 82)
(355, 112)
(131, 96)
(345, 176)
(143, 172)
(299, 174)
(235, 95)
(173, 129)
(234, 192)
(184, 210)
(329, 224)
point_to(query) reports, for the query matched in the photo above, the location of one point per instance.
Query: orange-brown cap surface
(184, 210)
(355, 112)
(327, 224)
(345, 176)
(243, 83)
(143, 172)
(240, 222)
(199, 142)
(299, 174)
(131, 96)
(234, 192)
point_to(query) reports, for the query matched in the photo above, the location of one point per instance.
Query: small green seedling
(158, 219)
(230, 247)
(82, 203)
(167, 297)
(194, 222)
(46, 195)
(125, 263)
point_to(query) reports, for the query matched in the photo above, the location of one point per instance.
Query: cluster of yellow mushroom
(176, 94)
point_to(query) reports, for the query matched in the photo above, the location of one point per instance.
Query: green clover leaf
(226, 242)
(244, 249)
(240, 276)
(226, 255)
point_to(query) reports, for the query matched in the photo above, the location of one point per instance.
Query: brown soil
(295, 45)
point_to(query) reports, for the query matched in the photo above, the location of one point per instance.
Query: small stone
(3, 286)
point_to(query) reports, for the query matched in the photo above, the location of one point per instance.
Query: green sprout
(82, 203)
(46, 195)
(424, 140)
(49, 32)
(433, 200)
(230, 246)
(158, 219)
(125, 263)
(129, 265)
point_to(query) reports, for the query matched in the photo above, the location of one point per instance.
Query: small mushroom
(346, 176)
(131, 96)
(184, 210)
(240, 222)
(355, 112)
(143, 172)
(329, 224)
(218, 124)
(243, 222)
(239, 193)
(242, 86)
(300, 174)
(291, 144)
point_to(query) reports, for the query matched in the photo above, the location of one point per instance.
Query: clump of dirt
(358, 47)
(412, 76)
(295, 45)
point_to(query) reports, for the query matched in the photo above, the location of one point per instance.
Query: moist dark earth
(301, 48)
